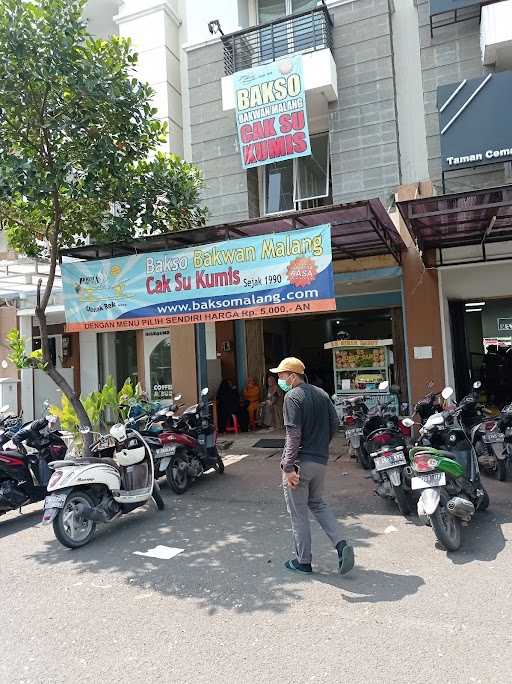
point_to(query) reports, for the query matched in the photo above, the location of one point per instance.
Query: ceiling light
(472, 310)
(475, 304)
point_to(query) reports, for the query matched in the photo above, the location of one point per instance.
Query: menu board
(367, 357)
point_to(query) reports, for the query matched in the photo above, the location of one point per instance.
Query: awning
(463, 219)
(359, 229)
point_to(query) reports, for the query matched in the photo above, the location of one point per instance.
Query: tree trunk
(61, 381)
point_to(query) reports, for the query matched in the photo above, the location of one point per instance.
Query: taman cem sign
(474, 121)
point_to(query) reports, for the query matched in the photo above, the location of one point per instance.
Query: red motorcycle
(184, 447)
(24, 471)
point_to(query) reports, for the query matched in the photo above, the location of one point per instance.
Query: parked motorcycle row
(432, 460)
(120, 473)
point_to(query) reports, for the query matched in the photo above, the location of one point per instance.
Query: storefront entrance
(305, 337)
(482, 347)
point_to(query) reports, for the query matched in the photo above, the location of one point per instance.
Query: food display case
(360, 365)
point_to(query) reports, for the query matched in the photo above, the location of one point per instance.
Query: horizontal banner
(269, 275)
(210, 317)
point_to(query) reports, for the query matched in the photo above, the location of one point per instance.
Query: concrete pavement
(226, 610)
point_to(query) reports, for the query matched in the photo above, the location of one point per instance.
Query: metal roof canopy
(19, 276)
(358, 229)
(476, 217)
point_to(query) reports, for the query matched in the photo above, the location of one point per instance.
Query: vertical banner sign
(265, 275)
(271, 115)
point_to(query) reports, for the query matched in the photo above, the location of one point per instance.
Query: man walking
(310, 421)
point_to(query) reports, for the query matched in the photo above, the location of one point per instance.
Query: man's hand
(292, 479)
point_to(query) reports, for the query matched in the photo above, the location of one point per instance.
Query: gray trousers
(307, 496)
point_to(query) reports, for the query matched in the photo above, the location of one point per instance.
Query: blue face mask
(284, 385)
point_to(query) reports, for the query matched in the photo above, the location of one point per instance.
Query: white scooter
(82, 492)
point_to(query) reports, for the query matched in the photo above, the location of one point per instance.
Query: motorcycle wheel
(363, 458)
(447, 528)
(69, 531)
(219, 466)
(484, 503)
(157, 497)
(501, 470)
(177, 474)
(401, 500)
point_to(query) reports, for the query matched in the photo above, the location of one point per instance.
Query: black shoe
(298, 567)
(345, 557)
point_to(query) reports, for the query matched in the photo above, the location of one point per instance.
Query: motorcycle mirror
(118, 432)
(178, 397)
(447, 392)
(477, 384)
(53, 423)
(407, 422)
(383, 386)
(204, 391)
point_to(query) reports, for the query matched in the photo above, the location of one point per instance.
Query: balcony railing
(301, 32)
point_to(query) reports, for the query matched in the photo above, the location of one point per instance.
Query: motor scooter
(118, 478)
(24, 470)
(445, 470)
(190, 447)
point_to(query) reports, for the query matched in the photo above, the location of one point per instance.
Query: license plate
(165, 451)
(55, 501)
(428, 480)
(490, 437)
(383, 462)
(354, 431)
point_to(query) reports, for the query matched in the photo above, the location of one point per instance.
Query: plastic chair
(234, 425)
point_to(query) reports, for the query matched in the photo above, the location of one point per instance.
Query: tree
(79, 141)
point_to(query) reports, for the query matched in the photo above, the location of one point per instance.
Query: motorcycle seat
(447, 454)
(86, 460)
(15, 454)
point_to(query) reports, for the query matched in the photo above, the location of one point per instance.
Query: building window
(270, 10)
(160, 370)
(299, 183)
(290, 36)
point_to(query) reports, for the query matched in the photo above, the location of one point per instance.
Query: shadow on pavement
(235, 536)
(11, 525)
(234, 547)
(482, 540)
(373, 586)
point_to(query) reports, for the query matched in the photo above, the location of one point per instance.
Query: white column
(89, 380)
(211, 341)
(153, 27)
(27, 375)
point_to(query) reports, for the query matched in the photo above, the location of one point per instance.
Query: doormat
(269, 444)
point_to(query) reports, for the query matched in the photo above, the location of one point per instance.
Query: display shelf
(362, 368)
(354, 378)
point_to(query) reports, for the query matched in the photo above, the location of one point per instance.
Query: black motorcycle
(486, 434)
(24, 471)
(505, 430)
